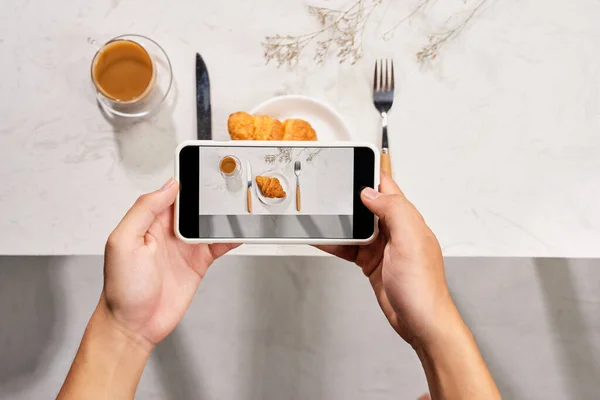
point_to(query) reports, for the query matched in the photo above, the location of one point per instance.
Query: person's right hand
(406, 269)
(404, 265)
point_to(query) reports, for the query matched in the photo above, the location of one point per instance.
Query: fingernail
(369, 193)
(167, 185)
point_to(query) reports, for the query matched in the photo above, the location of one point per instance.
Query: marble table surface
(496, 141)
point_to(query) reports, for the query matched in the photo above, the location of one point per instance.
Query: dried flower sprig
(312, 155)
(438, 40)
(390, 33)
(287, 155)
(283, 155)
(343, 29)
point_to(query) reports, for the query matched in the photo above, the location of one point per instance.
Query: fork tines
(383, 79)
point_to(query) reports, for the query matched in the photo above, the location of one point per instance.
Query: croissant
(298, 129)
(243, 126)
(266, 128)
(270, 187)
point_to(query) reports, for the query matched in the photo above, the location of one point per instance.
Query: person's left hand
(150, 276)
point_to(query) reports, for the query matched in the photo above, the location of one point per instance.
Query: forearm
(454, 366)
(109, 362)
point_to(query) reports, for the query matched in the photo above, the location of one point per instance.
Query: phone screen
(275, 192)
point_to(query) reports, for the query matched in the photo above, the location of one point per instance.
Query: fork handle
(385, 144)
(298, 198)
(386, 163)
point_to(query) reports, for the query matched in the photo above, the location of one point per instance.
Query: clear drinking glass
(231, 170)
(157, 90)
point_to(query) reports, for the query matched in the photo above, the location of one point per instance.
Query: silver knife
(203, 113)
(249, 191)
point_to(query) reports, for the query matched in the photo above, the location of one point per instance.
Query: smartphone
(274, 192)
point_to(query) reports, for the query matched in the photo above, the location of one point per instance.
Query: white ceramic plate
(328, 124)
(284, 184)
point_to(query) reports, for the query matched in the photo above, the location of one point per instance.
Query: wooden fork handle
(297, 198)
(249, 200)
(386, 163)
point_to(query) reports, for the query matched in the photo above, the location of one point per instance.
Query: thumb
(142, 214)
(388, 207)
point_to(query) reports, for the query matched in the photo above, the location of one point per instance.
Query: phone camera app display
(276, 192)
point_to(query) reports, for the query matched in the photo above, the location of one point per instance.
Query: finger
(201, 256)
(350, 253)
(397, 215)
(347, 253)
(388, 207)
(388, 185)
(220, 249)
(370, 257)
(146, 209)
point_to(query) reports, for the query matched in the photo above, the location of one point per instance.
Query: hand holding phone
(275, 192)
(406, 270)
(404, 265)
(146, 267)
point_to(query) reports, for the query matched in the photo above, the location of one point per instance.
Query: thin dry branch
(344, 30)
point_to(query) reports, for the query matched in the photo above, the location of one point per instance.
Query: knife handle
(386, 163)
(298, 198)
(249, 200)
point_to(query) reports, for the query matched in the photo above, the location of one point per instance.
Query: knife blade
(249, 191)
(249, 173)
(203, 110)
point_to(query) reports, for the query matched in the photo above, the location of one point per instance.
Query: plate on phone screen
(284, 184)
(327, 122)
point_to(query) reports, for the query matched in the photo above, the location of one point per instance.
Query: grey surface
(276, 226)
(308, 328)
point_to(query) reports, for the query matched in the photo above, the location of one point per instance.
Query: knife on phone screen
(204, 123)
(249, 190)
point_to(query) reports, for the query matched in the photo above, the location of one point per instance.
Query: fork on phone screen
(297, 170)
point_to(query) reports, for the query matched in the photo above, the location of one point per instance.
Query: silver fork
(297, 170)
(383, 98)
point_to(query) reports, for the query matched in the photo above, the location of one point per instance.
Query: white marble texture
(496, 141)
(326, 183)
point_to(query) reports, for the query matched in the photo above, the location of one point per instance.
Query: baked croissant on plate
(243, 126)
(298, 129)
(270, 187)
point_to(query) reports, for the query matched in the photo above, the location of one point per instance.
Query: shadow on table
(31, 319)
(309, 226)
(235, 226)
(146, 145)
(494, 363)
(577, 354)
(346, 224)
(282, 319)
(177, 371)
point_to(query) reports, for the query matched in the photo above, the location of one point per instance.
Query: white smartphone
(275, 192)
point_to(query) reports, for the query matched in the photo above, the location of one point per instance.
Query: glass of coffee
(132, 75)
(230, 166)
(231, 170)
(123, 71)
